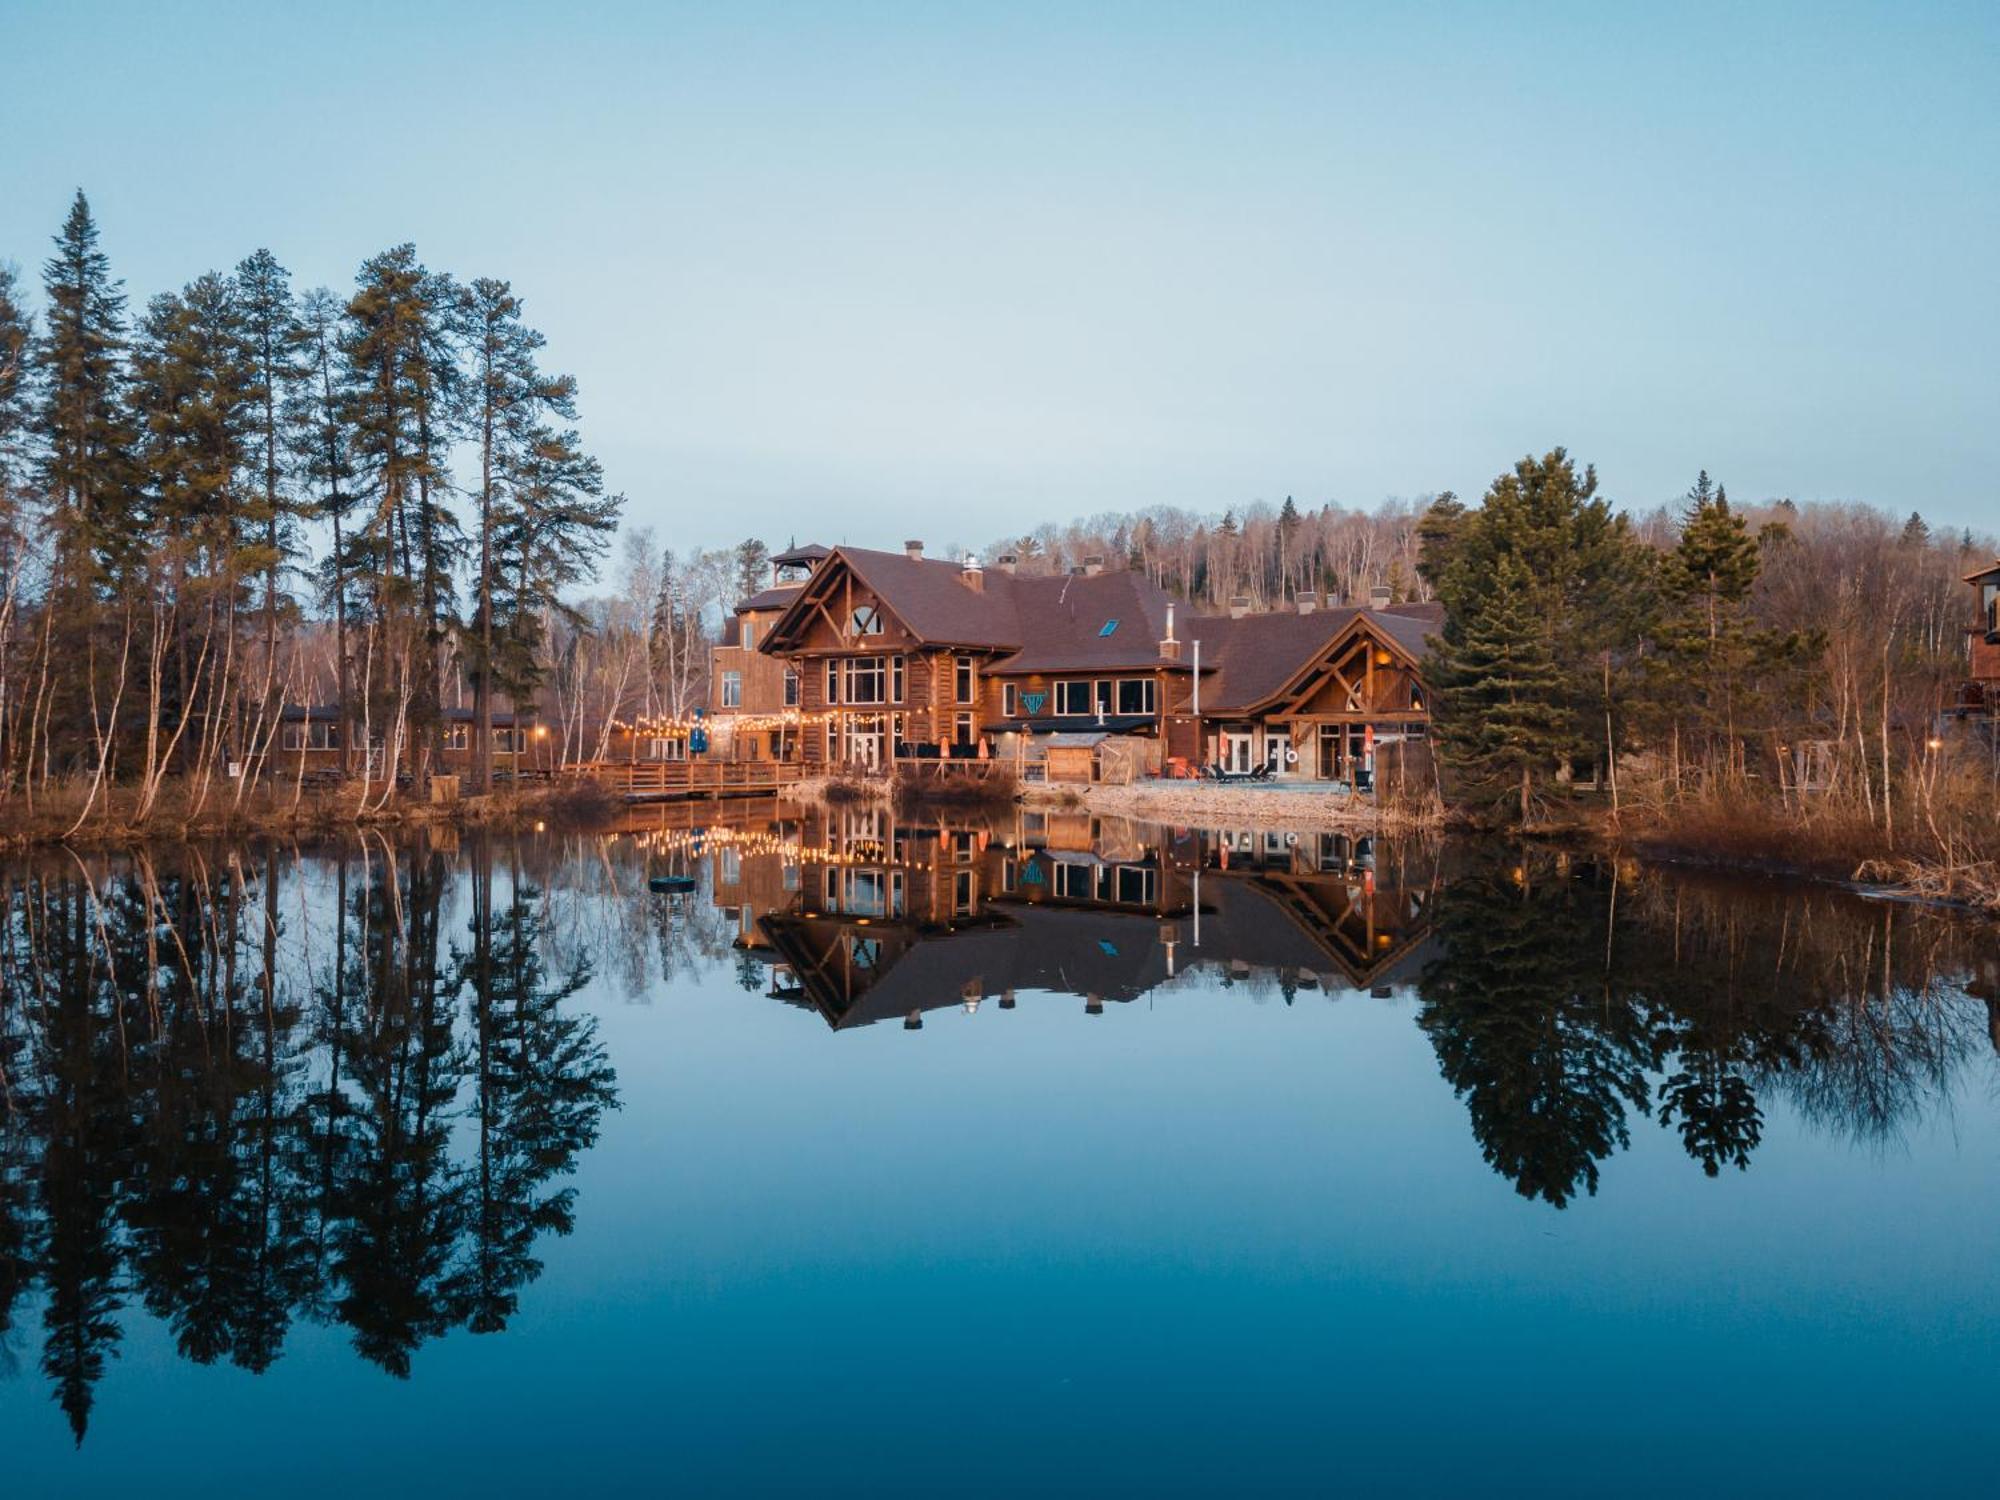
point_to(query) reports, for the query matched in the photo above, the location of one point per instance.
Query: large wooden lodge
(862, 659)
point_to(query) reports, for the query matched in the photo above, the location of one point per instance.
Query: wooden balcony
(678, 780)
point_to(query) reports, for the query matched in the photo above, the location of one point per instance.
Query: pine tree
(399, 407)
(1543, 556)
(753, 566)
(316, 413)
(84, 428)
(1501, 715)
(278, 346)
(1710, 660)
(1436, 534)
(509, 394)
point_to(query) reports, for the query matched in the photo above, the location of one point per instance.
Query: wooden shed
(1072, 758)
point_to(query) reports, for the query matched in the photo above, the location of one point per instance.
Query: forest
(244, 496)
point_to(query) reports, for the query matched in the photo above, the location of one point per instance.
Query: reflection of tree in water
(542, 1082)
(599, 910)
(1528, 1032)
(396, 1206)
(1560, 990)
(175, 1127)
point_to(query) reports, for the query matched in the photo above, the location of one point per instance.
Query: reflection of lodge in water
(864, 919)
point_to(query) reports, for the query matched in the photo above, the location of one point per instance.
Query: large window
(962, 680)
(867, 682)
(732, 689)
(1135, 695)
(1072, 697)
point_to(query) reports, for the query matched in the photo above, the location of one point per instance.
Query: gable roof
(1256, 657)
(776, 597)
(1058, 623)
(1055, 622)
(794, 557)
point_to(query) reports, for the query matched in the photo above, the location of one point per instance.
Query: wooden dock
(685, 780)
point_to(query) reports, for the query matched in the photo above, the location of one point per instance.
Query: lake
(826, 1151)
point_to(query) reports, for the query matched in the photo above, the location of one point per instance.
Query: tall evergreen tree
(511, 398)
(277, 346)
(1502, 716)
(85, 431)
(316, 413)
(753, 566)
(1545, 557)
(399, 412)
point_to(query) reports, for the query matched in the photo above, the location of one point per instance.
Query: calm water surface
(1019, 1156)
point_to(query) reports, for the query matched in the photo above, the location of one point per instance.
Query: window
(962, 681)
(1103, 696)
(457, 737)
(1135, 695)
(295, 737)
(864, 680)
(1073, 882)
(963, 729)
(832, 681)
(963, 891)
(507, 741)
(749, 634)
(866, 620)
(732, 689)
(1010, 699)
(1072, 697)
(1135, 885)
(896, 678)
(791, 688)
(1109, 627)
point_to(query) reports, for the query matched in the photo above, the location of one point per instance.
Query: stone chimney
(914, 551)
(1170, 648)
(1093, 565)
(1007, 562)
(1380, 596)
(1307, 603)
(972, 575)
(1239, 606)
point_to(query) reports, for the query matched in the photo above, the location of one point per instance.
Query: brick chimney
(1007, 562)
(1239, 606)
(914, 551)
(1381, 596)
(1093, 565)
(972, 575)
(1307, 603)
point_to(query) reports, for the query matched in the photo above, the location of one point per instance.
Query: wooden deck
(680, 780)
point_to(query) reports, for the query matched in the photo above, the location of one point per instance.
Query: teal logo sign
(1033, 702)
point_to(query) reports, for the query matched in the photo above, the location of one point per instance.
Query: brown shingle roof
(1246, 661)
(776, 597)
(1056, 623)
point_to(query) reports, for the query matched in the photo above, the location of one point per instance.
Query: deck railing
(690, 778)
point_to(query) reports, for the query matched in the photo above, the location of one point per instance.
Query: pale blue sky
(872, 271)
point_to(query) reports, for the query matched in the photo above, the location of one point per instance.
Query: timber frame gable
(821, 619)
(1363, 671)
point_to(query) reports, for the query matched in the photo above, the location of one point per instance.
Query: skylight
(1109, 626)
